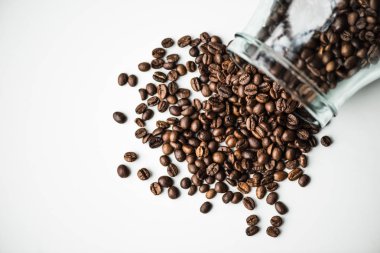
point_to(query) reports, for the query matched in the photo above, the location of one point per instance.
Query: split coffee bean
(156, 188)
(252, 220)
(143, 174)
(276, 221)
(249, 203)
(130, 157)
(273, 231)
(326, 141)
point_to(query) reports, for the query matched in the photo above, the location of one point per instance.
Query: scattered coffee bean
(122, 79)
(172, 170)
(123, 171)
(119, 117)
(272, 198)
(249, 203)
(251, 230)
(158, 52)
(184, 41)
(252, 220)
(280, 207)
(206, 207)
(185, 183)
(165, 181)
(130, 156)
(173, 192)
(227, 197)
(143, 174)
(192, 190)
(132, 80)
(326, 141)
(167, 42)
(304, 180)
(156, 188)
(273, 231)
(276, 221)
(144, 66)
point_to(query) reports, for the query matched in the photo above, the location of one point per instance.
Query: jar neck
(281, 70)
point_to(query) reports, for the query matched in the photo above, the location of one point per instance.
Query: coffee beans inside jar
(244, 137)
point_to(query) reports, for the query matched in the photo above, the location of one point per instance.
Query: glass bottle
(321, 51)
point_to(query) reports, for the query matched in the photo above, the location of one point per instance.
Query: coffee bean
(139, 122)
(141, 108)
(155, 142)
(156, 188)
(144, 66)
(237, 197)
(276, 221)
(181, 69)
(192, 190)
(243, 187)
(206, 207)
(140, 133)
(167, 42)
(227, 197)
(132, 80)
(173, 192)
(184, 41)
(153, 101)
(172, 170)
(295, 174)
(122, 79)
(304, 180)
(160, 76)
(123, 171)
(210, 194)
(185, 183)
(221, 187)
(165, 160)
(130, 156)
(272, 198)
(249, 203)
(261, 191)
(143, 94)
(252, 220)
(273, 231)
(119, 117)
(326, 141)
(280, 207)
(157, 63)
(251, 230)
(191, 66)
(165, 181)
(147, 115)
(158, 52)
(143, 174)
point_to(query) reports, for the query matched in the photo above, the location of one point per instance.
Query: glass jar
(320, 51)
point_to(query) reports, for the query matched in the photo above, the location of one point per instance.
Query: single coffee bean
(252, 220)
(123, 171)
(276, 221)
(261, 191)
(272, 198)
(304, 180)
(206, 207)
(140, 133)
(141, 108)
(143, 94)
(165, 181)
(181, 69)
(273, 231)
(173, 192)
(185, 183)
(132, 80)
(148, 114)
(151, 89)
(155, 142)
(295, 174)
(221, 187)
(144, 66)
(227, 197)
(191, 66)
(243, 187)
(157, 63)
(326, 141)
(249, 203)
(251, 230)
(139, 122)
(119, 117)
(143, 174)
(172, 170)
(130, 156)
(167, 42)
(192, 190)
(158, 52)
(153, 101)
(160, 76)
(280, 207)
(237, 197)
(156, 188)
(165, 160)
(184, 41)
(122, 79)
(210, 193)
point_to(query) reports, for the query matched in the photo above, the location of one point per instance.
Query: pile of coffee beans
(245, 136)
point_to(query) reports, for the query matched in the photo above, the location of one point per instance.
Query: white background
(59, 146)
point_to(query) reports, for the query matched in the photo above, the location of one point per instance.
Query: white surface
(59, 147)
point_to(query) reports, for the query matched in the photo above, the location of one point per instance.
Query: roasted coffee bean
(157, 63)
(173, 192)
(280, 207)
(156, 188)
(192, 190)
(251, 230)
(184, 41)
(165, 181)
(261, 191)
(141, 108)
(167, 42)
(158, 52)
(191, 66)
(139, 122)
(273, 231)
(140, 133)
(244, 188)
(172, 170)
(162, 106)
(130, 156)
(227, 197)
(148, 114)
(122, 79)
(153, 101)
(249, 203)
(144, 66)
(146, 138)
(210, 194)
(221, 187)
(272, 198)
(165, 160)
(252, 220)
(160, 76)
(206, 207)
(276, 221)
(151, 89)
(143, 94)
(326, 141)
(132, 80)
(304, 180)
(295, 174)
(119, 117)
(155, 142)
(185, 183)
(143, 174)
(237, 197)
(123, 171)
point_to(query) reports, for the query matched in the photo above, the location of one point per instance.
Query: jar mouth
(281, 70)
